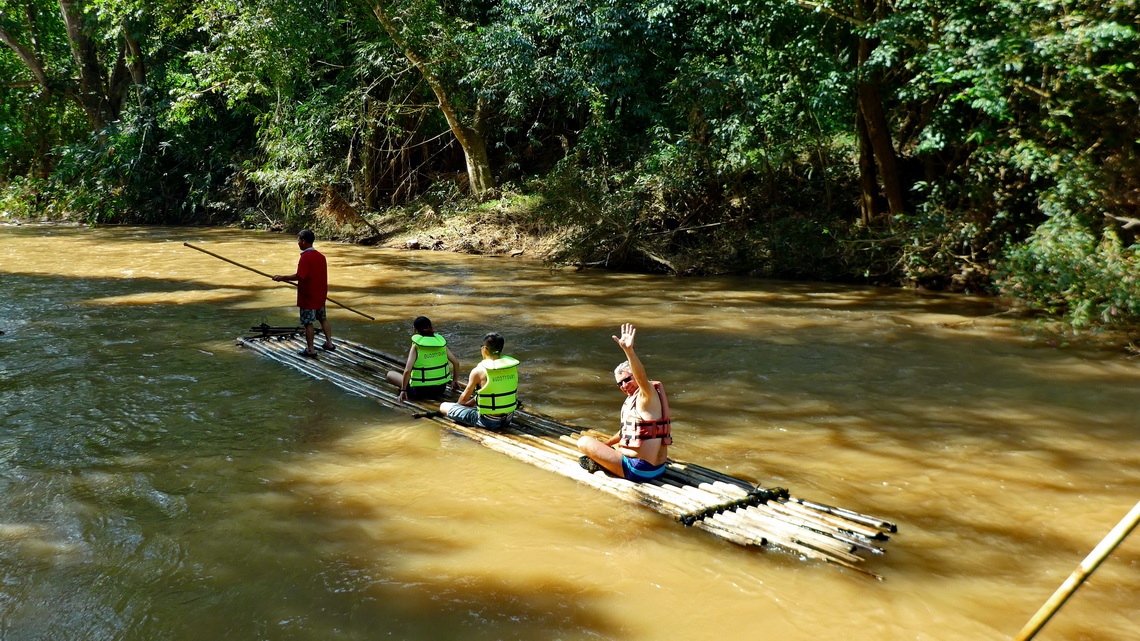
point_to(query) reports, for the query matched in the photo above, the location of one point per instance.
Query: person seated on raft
(491, 395)
(639, 450)
(430, 366)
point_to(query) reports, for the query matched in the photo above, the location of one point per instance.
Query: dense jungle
(983, 147)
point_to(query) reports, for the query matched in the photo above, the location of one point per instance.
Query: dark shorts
(310, 316)
(471, 417)
(636, 469)
(427, 391)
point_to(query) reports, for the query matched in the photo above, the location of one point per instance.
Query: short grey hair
(624, 367)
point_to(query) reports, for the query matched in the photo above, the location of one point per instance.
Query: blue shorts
(471, 417)
(310, 316)
(638, 470)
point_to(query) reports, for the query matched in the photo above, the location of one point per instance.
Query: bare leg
(603, 454)
(395, 378)
(309, 338)
(328, 334)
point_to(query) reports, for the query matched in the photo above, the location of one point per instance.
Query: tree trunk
(90, 93)
(478, 162)
(28, 57)
(99, 94)
(870, 101)
(868, 180)
(470, 138)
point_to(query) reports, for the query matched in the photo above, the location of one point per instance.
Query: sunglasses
(624, 381)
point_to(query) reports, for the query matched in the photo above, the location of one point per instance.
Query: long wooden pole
(256, 271)
(1083, 571)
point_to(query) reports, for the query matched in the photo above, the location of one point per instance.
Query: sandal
(588, 464)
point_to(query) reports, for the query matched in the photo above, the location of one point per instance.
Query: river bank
(518, 227)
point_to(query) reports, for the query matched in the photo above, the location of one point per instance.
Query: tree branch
(135, 59)
(445, 105)
(27, 56)
(1129, 223)
(822, 8)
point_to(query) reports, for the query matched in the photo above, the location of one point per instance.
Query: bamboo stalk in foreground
(1083, 571)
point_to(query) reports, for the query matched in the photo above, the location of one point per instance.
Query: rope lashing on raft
(756, 496)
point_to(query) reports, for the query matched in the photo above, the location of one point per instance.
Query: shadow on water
(139, 460)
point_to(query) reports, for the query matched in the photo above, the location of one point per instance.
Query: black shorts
(427, 391)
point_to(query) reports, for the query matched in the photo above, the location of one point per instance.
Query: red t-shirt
(313, 285)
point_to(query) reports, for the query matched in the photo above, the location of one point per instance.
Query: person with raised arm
(640, 448)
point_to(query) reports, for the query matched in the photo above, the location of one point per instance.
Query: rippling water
(156, 482)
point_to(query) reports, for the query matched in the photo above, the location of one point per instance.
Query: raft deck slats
(718, 503)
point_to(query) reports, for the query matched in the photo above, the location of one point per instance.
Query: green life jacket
(431, 366)
(500, 394)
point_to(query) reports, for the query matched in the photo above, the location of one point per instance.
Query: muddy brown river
(159, 483)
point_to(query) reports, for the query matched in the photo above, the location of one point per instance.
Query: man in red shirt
(312, 279)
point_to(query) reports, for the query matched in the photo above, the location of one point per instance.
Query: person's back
(430, 365)
(498, 397)
(491, 395)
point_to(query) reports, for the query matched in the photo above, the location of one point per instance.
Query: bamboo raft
(729, 507)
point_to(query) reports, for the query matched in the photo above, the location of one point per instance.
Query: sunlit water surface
(157, 482)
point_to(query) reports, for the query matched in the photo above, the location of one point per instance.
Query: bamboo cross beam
(257, 271)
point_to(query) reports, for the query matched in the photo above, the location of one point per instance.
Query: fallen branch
(1129, 223)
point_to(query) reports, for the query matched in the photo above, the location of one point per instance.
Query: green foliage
(692, 136)
(1064, 270)
(139, 170)
(1017, 115)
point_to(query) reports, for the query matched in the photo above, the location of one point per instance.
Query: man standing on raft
(640, 448)
(491, 395)
(312, 280)
(430, 366)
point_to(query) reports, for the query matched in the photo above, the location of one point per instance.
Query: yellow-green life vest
(431, 366)
(500, 394)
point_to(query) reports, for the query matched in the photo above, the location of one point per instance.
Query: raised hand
(627, 334)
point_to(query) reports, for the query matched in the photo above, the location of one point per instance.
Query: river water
(158, 482)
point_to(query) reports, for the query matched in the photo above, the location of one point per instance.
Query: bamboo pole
(708, 499)
(799, 535)
(680, 469)
(565, 451)
(796, 532)
(256, 271)
(548, 444)
(1083, 571)
(850, 527)
(650, 498)
(865, 519)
